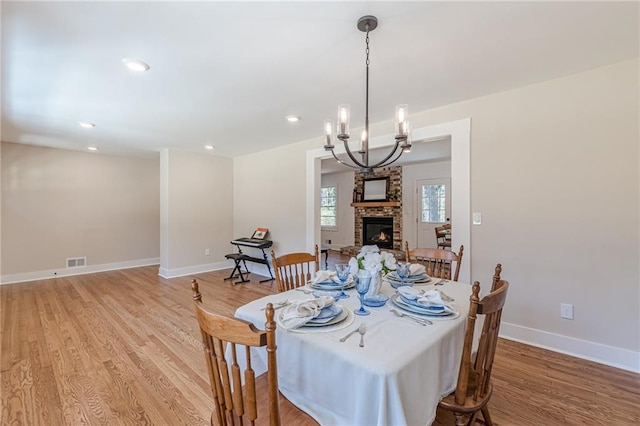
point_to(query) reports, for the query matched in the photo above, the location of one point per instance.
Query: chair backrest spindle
(439, 263)
(294, 270)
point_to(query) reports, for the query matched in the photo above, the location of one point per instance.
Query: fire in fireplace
(378, 231)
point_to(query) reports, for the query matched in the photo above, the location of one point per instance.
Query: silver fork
(421, 321)
(304, 290)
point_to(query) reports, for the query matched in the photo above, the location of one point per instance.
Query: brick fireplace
(385, 217)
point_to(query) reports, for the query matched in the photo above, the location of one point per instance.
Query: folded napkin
(430, 298)
(417, 269)
(299, 313)
(323, 276)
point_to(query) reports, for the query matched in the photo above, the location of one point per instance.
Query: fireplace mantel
(377, 204)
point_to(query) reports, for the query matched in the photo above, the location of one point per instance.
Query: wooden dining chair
(438, 262)
(258, 401)
(294, 269)
(474, 387)
(442, 232)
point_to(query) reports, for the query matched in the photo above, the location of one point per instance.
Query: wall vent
(76, 262)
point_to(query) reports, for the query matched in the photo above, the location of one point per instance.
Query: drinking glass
(363, 280)
(403, 271)
(342, 270)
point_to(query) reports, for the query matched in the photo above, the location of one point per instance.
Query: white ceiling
(227, 73)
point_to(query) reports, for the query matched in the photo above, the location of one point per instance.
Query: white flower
(353, 266)
(368, 249)
(388, 260)
(371, 260)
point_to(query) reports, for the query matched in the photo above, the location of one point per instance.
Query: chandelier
(402, 131)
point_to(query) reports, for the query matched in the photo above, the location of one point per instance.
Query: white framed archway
(460, 133)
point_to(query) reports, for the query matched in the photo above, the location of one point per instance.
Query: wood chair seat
(470, 405)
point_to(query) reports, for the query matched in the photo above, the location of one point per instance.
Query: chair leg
(486, 416)
(461, 419)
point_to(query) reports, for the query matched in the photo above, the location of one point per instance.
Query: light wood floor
(123, 347)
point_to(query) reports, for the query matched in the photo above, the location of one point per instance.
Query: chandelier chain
(367, 49)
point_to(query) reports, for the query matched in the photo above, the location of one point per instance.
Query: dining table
(397, 377)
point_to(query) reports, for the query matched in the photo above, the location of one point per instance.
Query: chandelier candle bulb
(343, 114)
(328, 129)
(402, 112)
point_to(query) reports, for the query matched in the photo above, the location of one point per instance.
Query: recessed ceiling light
(93, 148)
(136, 65)
(209, 147)
(86, 124)
(293, 118)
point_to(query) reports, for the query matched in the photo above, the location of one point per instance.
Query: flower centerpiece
(370, 259)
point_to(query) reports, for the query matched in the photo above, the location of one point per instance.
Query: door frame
(460, 133)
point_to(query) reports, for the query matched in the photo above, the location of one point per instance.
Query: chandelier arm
(393, 151)
(392, 161)
(350, 154)
(344, 163)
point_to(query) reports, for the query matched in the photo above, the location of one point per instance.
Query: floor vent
(76, 262)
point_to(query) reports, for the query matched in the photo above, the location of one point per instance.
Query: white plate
(413, 278)
(395, 299)
(419, 281)
(323, 286)
(335, 320)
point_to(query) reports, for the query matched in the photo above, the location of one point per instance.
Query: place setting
(430, 304)
(320, 314)
(330, 283)
(408, 274)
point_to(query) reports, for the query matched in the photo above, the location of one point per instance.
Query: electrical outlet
(207, 252)
(566, 311)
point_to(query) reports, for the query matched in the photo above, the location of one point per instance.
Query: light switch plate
(477, 218)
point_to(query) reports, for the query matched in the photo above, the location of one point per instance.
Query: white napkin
(299, 313)
(417, 269)
(428, 298)
(324, 276)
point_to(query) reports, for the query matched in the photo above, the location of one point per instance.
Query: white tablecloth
(396, 379)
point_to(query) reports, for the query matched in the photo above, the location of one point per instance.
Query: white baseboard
(67, 272)
(336, 246)
(609, 355)
(197, 269)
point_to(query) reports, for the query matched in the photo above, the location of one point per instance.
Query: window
(328, 206)
(434, 203)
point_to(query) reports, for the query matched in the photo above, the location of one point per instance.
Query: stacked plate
(417, 308)
(328, 316)
(331, 285)
(396, 282)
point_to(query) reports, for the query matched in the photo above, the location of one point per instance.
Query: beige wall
(269, 191)
(554, 171)
(197, 200)
(58, 204)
